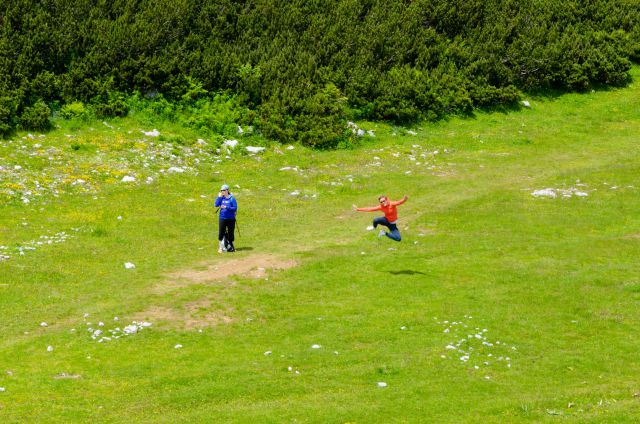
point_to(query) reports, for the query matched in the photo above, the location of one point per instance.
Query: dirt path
(218, 270)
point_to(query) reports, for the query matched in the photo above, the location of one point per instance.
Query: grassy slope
(555, 278)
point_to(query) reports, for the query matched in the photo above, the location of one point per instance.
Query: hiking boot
(221, 248)
(381, 233)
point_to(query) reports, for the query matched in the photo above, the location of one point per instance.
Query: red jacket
(390, 211)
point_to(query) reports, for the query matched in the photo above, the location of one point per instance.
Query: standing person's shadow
(240, 249)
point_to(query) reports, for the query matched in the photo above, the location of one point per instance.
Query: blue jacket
(231, 206)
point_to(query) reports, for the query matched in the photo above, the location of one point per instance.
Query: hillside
(513, 296)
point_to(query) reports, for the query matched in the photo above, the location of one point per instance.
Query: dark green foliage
(394, 59)
(112, 108)
(36, 117)
(8, 117)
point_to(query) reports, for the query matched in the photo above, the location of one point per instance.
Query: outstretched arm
(401, 201)
(371, 209)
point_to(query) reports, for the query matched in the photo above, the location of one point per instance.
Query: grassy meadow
(498, 306)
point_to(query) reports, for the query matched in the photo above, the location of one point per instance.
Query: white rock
(316, 346)
(254, 149)
(175, 170)
(230, 143)
(153, 133)
(525, 103)
(290, 147)
(49, 348)
(43, 324)
(382, 384)
(2, 389)
(130, 329)
(547, 192)
(129, 265)
(267, 353)
(178, 346)
(128, 179)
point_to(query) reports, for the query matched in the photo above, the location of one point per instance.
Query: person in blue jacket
(227, 222)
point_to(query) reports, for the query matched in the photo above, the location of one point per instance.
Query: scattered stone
(230, 143)
(154, 133)
(65, 376)
(555, 192)
(129, 265)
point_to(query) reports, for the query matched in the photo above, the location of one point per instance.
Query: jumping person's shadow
(406, 272)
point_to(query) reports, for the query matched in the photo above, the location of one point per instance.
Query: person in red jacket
(390, 218)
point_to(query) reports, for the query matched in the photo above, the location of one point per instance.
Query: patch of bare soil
(200, 313)
(219, 271)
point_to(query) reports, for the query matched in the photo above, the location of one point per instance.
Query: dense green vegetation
(297, 70)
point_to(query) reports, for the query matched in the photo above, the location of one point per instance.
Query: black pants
(226, 228)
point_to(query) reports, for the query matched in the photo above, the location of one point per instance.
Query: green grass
(554, 280)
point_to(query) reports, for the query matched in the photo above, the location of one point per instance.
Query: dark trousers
(394, 234)
(226, 228)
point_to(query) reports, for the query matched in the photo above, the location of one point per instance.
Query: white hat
(224, 187)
